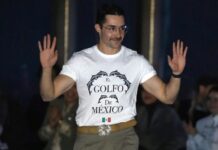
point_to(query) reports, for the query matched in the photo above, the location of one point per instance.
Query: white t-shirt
(107, 84)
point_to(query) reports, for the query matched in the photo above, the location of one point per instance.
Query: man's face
(212, 102)
(112, 31)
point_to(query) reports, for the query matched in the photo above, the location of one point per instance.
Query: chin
(116, 44)
(115, 47)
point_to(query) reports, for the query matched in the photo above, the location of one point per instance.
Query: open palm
(48, 54)
(178, 60)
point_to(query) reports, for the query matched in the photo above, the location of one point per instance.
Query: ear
(97, 28)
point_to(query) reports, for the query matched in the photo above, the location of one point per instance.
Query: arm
(49, 88)
(167, 92)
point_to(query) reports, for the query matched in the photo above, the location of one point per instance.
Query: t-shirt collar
(107, 55)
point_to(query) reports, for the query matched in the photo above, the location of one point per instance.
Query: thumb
(169, 60)
(56, 53)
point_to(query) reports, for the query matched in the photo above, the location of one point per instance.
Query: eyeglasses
(112, 28)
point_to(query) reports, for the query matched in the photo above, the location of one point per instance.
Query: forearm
(172, 89)
(164, 92)
(47, 85)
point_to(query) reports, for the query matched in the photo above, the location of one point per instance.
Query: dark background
(24, 22)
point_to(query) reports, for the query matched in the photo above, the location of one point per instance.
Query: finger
(53, 43)
(40, 46)
(48, 41)
(178, 46)
(181, 48)
(169, 60)
(56, 53)
(174, 49)
(44, 42)
(185, 51)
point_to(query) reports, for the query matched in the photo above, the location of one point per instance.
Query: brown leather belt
(106, 129)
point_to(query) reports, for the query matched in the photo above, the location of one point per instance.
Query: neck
(108, 50)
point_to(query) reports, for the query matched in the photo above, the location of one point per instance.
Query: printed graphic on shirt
(106, 119)
(108, 88)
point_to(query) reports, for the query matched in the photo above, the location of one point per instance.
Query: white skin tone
(212, 104)
(109, 43)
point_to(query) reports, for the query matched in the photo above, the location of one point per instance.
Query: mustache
(116, 39)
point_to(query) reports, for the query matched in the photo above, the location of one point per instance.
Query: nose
(118, 32)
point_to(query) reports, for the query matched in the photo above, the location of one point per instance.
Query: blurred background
(153, 26)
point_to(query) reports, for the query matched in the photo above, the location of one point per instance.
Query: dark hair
(213, 89)
(206, 80)
(108, 9)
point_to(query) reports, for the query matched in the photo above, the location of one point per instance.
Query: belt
(103, 130)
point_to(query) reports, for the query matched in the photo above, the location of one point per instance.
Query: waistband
(106, 129)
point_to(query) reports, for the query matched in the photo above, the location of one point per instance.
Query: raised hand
(189, 128)
(48, 54)
(178, 60)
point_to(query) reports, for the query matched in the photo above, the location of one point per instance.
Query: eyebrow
(116, 26)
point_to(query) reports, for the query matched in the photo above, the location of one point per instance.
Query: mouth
(116, 40)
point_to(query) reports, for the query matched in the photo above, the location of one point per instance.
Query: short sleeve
(146, 69)
(70, 68)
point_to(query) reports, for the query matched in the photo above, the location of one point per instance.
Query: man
(59, 126)
(205, 135)
(107, 76)
(198, 107)
(159, 126)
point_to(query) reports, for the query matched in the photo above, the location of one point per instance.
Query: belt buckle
(104, 130)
